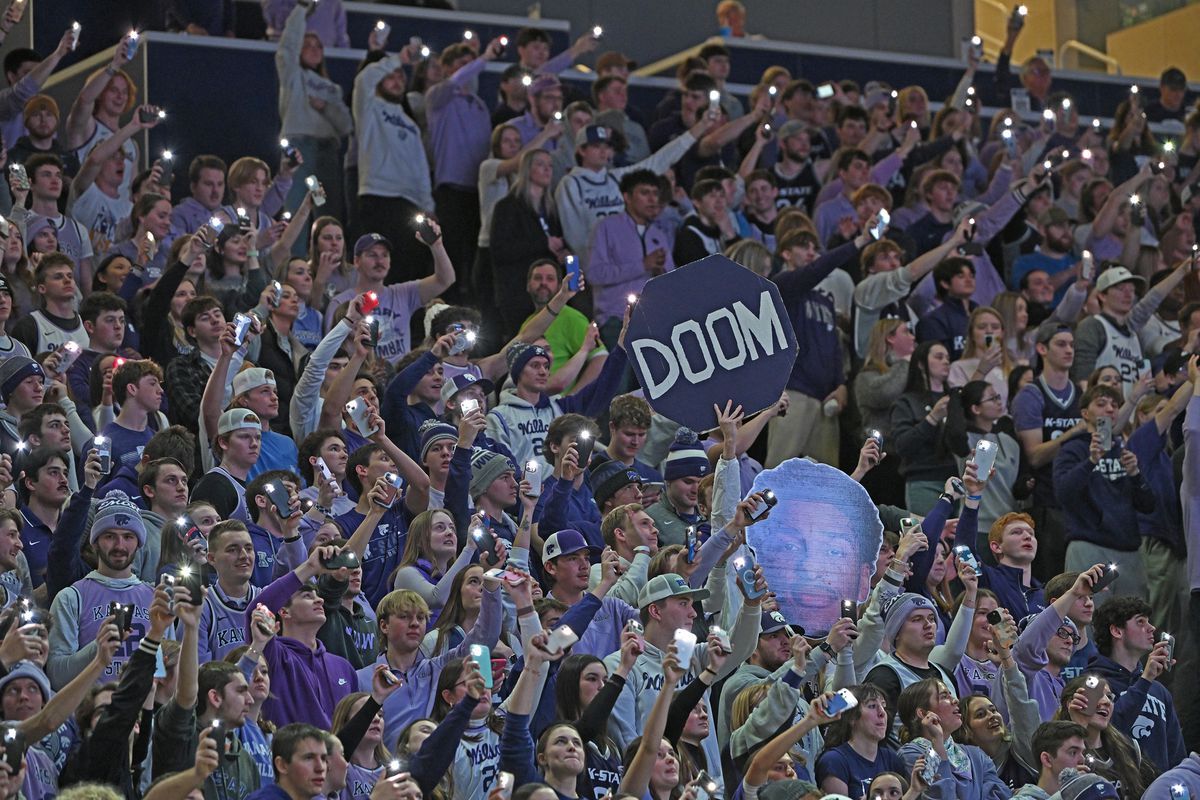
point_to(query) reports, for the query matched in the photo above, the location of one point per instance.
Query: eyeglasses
(993, 398)
(1067, 635)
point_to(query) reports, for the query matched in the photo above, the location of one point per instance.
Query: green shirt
(566, 336)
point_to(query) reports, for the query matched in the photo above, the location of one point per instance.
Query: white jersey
(51, 337)
(101, 215)
(1121, 351)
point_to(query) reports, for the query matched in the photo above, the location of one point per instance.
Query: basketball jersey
(1122, 351)
(94, 601)
(51, 337)
(799, 190)
(241, 511)
(1057, 418)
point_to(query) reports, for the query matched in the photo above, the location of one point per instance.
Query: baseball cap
(369, 240)
(456, 384)
(667, 585)
(238, 419)
(1054, 216)
(610, 478)
(250, 379)
(791, 128)
(773, 621)
(563, 543)
(1049, 329)
(1114, 275)
(613, 59)
(592, 134)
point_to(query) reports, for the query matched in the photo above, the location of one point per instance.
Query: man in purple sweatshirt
(460, 130)
(206, 177)
(1048, 642)
(307, 681)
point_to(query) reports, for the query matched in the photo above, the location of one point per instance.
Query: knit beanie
(1078, 785)
(433, 431)
(519, 354)
(116, 511)
(897, 612)
(486, 466)
(27, 669)
(15, 369)
(686, 459)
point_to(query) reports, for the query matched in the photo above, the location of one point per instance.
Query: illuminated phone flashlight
(1135, 199)
(1066, 104)
(895, 94)
(1168, 147)
(284, 144)
(1008, 122)
(504, 41)
(1046, 164)
(913, 124)
(631, 298)
(1134, 89)
(527, 81)
(181, 521)
(976, 41)
(425, 51)
(1086, 154)
(597, 31)
(714, 98)
(468, 35)
(1006, 134)
(162, 113)
(1066, 154)
(1096, 123)
(1048, 115)
(1023, 11)
(241, 212)
(773, 90)
(558, 116)
(167, 155)
(971, 89)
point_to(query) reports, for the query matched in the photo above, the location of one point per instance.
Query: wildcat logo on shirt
(655, 682)
(1153, 710)
(405, 128)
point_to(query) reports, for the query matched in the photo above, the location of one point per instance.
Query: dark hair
(602, 83)
(713, 49)
(213, 675)
(1130, 766)
(311, 448)
(97, 302)
(148, 474)
(636, 178)
(35, 462)
(360, 458)
(1100, 390)
(1014, 381)
(714, 172)
(699, 82)
(132, 371)
(16, 58)
(702, 189)
(288, 738)
(448, 316)
(198, 305)
(1050, 736)
(99, 282)
(567, 425)
(918, 367)
(853, 112)
(959, 419)
(453, 612)
(204, 162)
(175, 442)
(31, 421)
(840, 730)
(1115, 611)
(39, 160)
(912, 699)
(847, 156)
(257, 486)
(1059, 585)
(528, 35)
(947, 269)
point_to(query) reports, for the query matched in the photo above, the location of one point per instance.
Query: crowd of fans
(332, 478)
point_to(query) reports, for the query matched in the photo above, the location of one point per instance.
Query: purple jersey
(94, 601)
(222, 624)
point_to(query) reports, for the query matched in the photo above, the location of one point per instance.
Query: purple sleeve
(1146, 441)
(794, 284)
(430, 763)
(886, 169)
(458, 482)
(554, 511)
(596, 396)
(1027, 409)
(276, 196)
(1030, 651)
(276, 596)
(64, 565)
(932, 526)
(560, 62)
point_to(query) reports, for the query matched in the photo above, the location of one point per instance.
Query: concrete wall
(650, 29)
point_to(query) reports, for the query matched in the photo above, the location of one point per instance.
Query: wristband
(551, 311)
(641, 549)
(827, 649)
(251, 254)
(295, 538)
(324, 510)
(524, 611)
(975, 497)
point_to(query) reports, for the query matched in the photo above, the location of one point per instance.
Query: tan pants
(805, 431)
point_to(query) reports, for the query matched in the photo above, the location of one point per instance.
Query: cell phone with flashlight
(148, 114)
(358, 411)
(485, 542)
(103, 447)
(189, 578)
(1106, 578)
(1104, 428)
(1093, 690)
(164, 162)
(278, 494)
(685, 646)
(468, 405)
(573, 273)
(880, 227)
(483, 657)
(425, 229)
(382, 31)
(842, 700)
(122, 615)
(1010, 142)
(585, 443)
(290, 152)
(745, 572)
(315, 189)
(706, 787)
(691, 543)
(374, 330)
(328, 475)
(344, 557)
(189, 532)
(19, 175)
(504, 784)
(985, 457)
(1163, 636)
(763, 505)
(242, 323)
(463, 339)
(561, 638)
(533, 474)
(1017, 20)
(1087, 269)
(15, 745)
(966, 556)
(850, 610)
(69, 351)
(276, 295)
(722, 638)
(825, 91)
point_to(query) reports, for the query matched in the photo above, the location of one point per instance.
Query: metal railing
(1114, 66)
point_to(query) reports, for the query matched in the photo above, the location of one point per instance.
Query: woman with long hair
(431, 558)
(853, 752)
(985, 357)
(163, 336)
(585, 694)
(1110, 752)
(459, 613)
(978, 414)
(233, 273)
(332, 271)
(918, 421)
(365, 750)
(929, 715)
(313, 114)
(525, 227)
(1129, 138)
(478, 753)
(18, 272)
(174, 546)
(877, 388)
(150, 222)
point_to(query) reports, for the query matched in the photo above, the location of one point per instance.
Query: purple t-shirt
(396, 306)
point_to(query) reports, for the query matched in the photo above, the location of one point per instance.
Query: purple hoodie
(460, 128)
(1030, 655)
(615, 262)
(307, 684)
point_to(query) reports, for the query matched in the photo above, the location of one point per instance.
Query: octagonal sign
(708, 332)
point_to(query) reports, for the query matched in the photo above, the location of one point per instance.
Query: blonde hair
(970, 351)
(877, 344)
(401, 601)
(752, 255)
